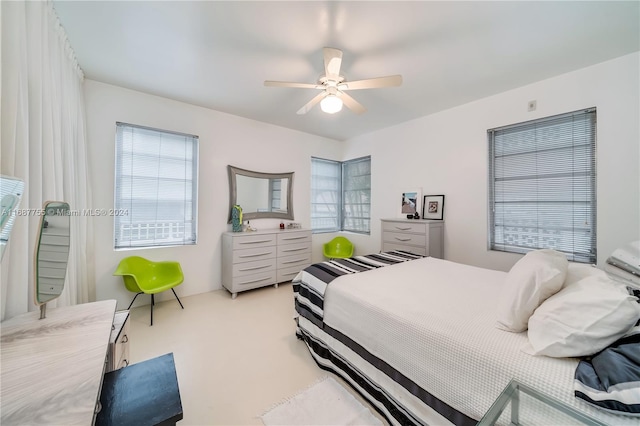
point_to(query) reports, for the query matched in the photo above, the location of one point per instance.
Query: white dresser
(425, 237)
(257, 259)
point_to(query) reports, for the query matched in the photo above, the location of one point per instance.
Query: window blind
(155, 187)
(326, 192)
(341, 195)
(542, 186)
(356, 193)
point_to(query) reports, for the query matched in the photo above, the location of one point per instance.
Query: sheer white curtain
(43, 143)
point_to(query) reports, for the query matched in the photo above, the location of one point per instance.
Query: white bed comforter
(433, 320)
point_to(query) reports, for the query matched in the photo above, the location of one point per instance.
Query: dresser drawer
(409, 239)
(248, 268)
(287, 274)
(253, 241)
(412, 249)
(294, 237)
(250, 281)
(300, 261)
(291, 249)
(417, 227)
(253, 254)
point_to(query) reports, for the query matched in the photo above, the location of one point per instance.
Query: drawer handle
(403, 229)
(294, 238)
(98, 407)
(255, 242)
(255, 267)
(255, 281)
(295, 249)
(254, 255)
(294, 261)
(125, 339)
(403, 239)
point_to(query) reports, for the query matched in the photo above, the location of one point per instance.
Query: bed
(417, 337)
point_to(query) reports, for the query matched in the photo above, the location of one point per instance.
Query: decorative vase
(236, 218)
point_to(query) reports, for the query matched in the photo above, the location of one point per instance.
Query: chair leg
(152, 303)
(134, 299)
(174, 293)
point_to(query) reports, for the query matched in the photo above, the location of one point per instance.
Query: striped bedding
(311, 283)
(418, 339)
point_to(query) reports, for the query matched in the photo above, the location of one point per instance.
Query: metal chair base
(153, 302)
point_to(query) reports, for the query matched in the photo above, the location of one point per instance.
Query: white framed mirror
(261, 195)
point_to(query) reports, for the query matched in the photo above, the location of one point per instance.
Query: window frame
(125, 205)
(340, 196)
(582, 245)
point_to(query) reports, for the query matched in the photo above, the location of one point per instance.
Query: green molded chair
(338, 248)
(141, 275)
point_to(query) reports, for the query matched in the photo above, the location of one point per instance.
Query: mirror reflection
(261, 195)
(52, 251)
(11, 190)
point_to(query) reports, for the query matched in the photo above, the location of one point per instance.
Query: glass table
(519, 404)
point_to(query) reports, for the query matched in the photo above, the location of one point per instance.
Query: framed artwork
(433, 207)
(409, 202)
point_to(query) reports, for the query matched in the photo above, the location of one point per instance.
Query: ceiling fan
(333, 86)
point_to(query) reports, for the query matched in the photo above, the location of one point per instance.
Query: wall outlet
(531, 106)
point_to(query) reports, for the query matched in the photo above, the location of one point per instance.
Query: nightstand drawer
(410, 227)
(409, 239)
(119, 342)
(411, 249)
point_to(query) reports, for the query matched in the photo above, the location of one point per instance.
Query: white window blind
(326, 192)
(542, 186)
(341, 195)
(155, 187)
(356, 195)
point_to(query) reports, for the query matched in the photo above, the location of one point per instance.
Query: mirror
(261, 195)
(52, 252)
(11, 190)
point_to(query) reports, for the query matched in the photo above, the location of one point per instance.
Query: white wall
(224, 139)
(446, 153)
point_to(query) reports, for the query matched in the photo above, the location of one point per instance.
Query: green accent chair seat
(338, 248)
(141, 275)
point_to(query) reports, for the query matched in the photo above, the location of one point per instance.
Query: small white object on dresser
(425, 237)
(118, 355)
(261, 258)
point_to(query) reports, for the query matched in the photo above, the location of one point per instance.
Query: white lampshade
(331, 104)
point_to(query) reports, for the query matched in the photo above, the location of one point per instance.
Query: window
(542, 186)
(156, 187)
(341, 195)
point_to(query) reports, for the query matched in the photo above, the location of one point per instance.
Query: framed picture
(433, 207)
(409, 202)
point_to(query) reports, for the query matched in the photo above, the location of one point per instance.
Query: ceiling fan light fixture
(331, 104)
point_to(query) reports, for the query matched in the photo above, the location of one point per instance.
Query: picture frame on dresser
(409, 202)
(433, 207)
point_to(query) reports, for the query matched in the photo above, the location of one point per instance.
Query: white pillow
(583, 318)
(578, 271)
(534, 278)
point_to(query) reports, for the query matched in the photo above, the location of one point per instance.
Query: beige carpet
(324, 403)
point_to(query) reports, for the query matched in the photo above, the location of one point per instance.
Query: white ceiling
(218, 54)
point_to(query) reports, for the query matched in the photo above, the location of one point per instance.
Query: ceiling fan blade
(307, 107)
(332, 61)
(351, 103)
(372, 83)
(291, 84)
